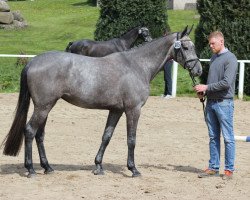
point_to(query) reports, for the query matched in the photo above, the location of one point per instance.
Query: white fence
(17, 56)
(241, 77)
(174, 73)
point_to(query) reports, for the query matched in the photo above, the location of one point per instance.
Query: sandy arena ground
(172, 148)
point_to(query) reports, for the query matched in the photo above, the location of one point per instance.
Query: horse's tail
(13, 141)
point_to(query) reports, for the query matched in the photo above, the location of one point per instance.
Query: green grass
(53, 23)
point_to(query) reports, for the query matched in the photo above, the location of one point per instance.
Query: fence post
(241, 80)
(174, 78)
(98, 3)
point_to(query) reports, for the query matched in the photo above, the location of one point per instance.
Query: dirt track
(172, 147)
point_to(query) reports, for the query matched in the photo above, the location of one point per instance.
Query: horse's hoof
(98, 172)
(136, 174)
(49, 171)
(31, 175)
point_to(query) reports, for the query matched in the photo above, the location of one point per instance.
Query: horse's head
(144, 32)
(183, 52)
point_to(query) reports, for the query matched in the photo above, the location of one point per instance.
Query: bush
(232, 18)
(93, 2)
(118, 16)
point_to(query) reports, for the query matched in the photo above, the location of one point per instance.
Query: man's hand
(200, 95)
(200, 88)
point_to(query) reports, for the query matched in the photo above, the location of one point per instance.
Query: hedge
(232, 18)
(119, 16)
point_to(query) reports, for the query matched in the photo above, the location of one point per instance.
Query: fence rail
(174, 73)
(241, 77)
(17, 56)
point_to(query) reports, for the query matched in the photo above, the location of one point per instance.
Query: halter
(147, 37)
(177, 49)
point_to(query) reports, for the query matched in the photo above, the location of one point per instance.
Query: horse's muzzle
(197, 70)
(148, 39)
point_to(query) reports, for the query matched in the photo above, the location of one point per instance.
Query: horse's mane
(149, 43)
(128, 31)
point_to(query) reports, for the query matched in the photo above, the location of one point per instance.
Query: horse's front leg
(39, 141)
(132, 122)
(112, 121)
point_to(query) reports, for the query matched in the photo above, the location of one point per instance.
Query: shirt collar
(223, 51)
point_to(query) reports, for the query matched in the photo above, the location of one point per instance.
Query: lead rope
(176, 50)
(201, 100)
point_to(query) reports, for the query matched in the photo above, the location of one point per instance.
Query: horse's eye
(185, 47)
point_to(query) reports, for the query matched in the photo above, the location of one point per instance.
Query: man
(168, 79)
(219, 90)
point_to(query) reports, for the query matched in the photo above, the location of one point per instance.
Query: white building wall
(179, 4)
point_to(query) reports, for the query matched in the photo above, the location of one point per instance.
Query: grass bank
(53, 23)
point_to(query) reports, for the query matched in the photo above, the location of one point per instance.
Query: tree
(232, 18)
(118, 16)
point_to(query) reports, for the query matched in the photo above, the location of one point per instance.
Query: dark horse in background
(103, 48)
(119, 82)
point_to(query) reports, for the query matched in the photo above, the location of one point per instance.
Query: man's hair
(216, 34)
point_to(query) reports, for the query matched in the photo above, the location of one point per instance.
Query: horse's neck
(129, 38)
(154, 55)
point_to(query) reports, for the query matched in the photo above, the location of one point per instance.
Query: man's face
(216, 44)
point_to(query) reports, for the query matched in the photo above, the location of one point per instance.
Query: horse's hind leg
(37, 121)
(112, 121)
(39, 141)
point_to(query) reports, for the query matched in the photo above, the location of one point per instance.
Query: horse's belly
(94, 102)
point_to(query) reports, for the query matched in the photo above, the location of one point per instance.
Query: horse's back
(101, 48)
(95, 48)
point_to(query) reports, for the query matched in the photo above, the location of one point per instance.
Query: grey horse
(119, 83)
(103, 48)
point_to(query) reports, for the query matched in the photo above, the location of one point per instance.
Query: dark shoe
(227, 175)
(208, 173)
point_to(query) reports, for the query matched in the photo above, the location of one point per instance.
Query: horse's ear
(184, 32)
(189, 31)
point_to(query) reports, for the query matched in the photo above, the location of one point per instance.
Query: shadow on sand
(171, 167)
(114, 168)
(19, 168)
